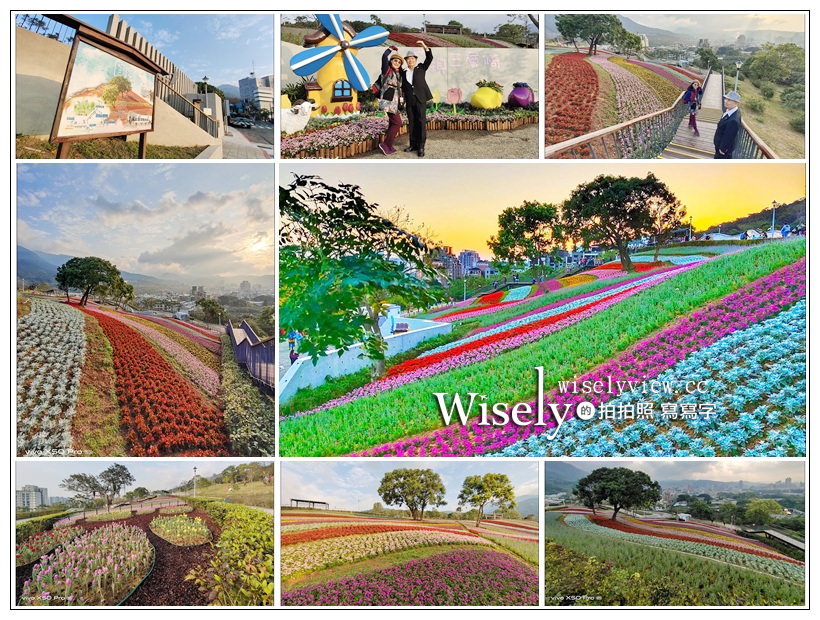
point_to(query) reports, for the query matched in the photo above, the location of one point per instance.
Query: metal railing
(186, 107)
(40, 24)
(748, 144)
(254, 355)
(644, 137)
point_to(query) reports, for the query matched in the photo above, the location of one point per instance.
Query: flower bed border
(366, 146)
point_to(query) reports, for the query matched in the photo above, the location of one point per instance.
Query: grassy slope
(773, 124)
(249, 494)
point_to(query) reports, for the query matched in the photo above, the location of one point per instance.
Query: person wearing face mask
(728, 127)
(416, 96)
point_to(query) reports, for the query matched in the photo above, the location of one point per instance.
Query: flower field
(674, 321)
(173, 396)
(330, 559)
(140, 559)
(50, 354)
(626, 562)
(572, 87)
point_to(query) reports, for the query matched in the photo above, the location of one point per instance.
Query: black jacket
(726, 134)
(418, 89)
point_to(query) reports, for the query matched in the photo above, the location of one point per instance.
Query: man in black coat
(416, 96)
(728, 127)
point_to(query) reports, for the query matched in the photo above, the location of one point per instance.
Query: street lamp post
(690, 228)
(194, 481)
(205, 79)
(738, 64)
(775, 204)
(464, 298)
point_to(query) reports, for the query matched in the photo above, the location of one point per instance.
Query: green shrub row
(242, 569)
(38, 524)
(250, 416)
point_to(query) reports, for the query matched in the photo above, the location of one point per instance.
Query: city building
(258, 91)
(468, 259)
(31, 497)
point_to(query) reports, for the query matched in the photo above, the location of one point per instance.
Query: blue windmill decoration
(309, 61)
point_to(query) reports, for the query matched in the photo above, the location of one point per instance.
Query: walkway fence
(255, 355)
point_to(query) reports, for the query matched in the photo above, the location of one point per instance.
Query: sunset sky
(461, 202)
(159, 219)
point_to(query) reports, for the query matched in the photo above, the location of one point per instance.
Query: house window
(342, 91)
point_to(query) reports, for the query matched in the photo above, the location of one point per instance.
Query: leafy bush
(39, 524)
(755, 104)
(798, 123)
(241, 571)
(767, 90)
(249, 416)
(794, 97)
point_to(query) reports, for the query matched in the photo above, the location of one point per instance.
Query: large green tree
(620, 487)
(108, 483)
(530, 231)
(87, 274)
(341, 263)
(762, 511)
(415, 488)
(616, 210)
(782, 64)
(594, 28)
(478, 491)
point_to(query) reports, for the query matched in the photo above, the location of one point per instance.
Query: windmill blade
(356, 73)
(309, 61)
(333, 24)
(370, 36)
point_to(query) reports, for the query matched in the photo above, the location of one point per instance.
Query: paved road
(248, 143)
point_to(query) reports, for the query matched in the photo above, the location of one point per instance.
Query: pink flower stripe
(633, 96)
(207, 341)
(479, 353)
(648, 358)
(203, 376)
(690, 74)
(553, 285)
(457, 316)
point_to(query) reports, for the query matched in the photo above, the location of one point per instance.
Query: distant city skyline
(460, 202)
(154, 474)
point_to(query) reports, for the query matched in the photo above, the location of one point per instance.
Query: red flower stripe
(162, 414)
(422, 362)
(571, 92)
(616, 525)
(639, 267)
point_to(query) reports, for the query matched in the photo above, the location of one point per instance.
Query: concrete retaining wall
(304, 374)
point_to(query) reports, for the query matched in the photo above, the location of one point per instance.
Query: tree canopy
(616, 210)
(594, 28)
(340, 263)
(762, 511)
(108, 483)
(530, 231)
(87, 274)
(478, 491)
(618, 486)
(415, 488)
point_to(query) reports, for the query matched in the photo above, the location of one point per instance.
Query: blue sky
(153, 474)
(158, 219)
(354, 484)
(226, 48)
